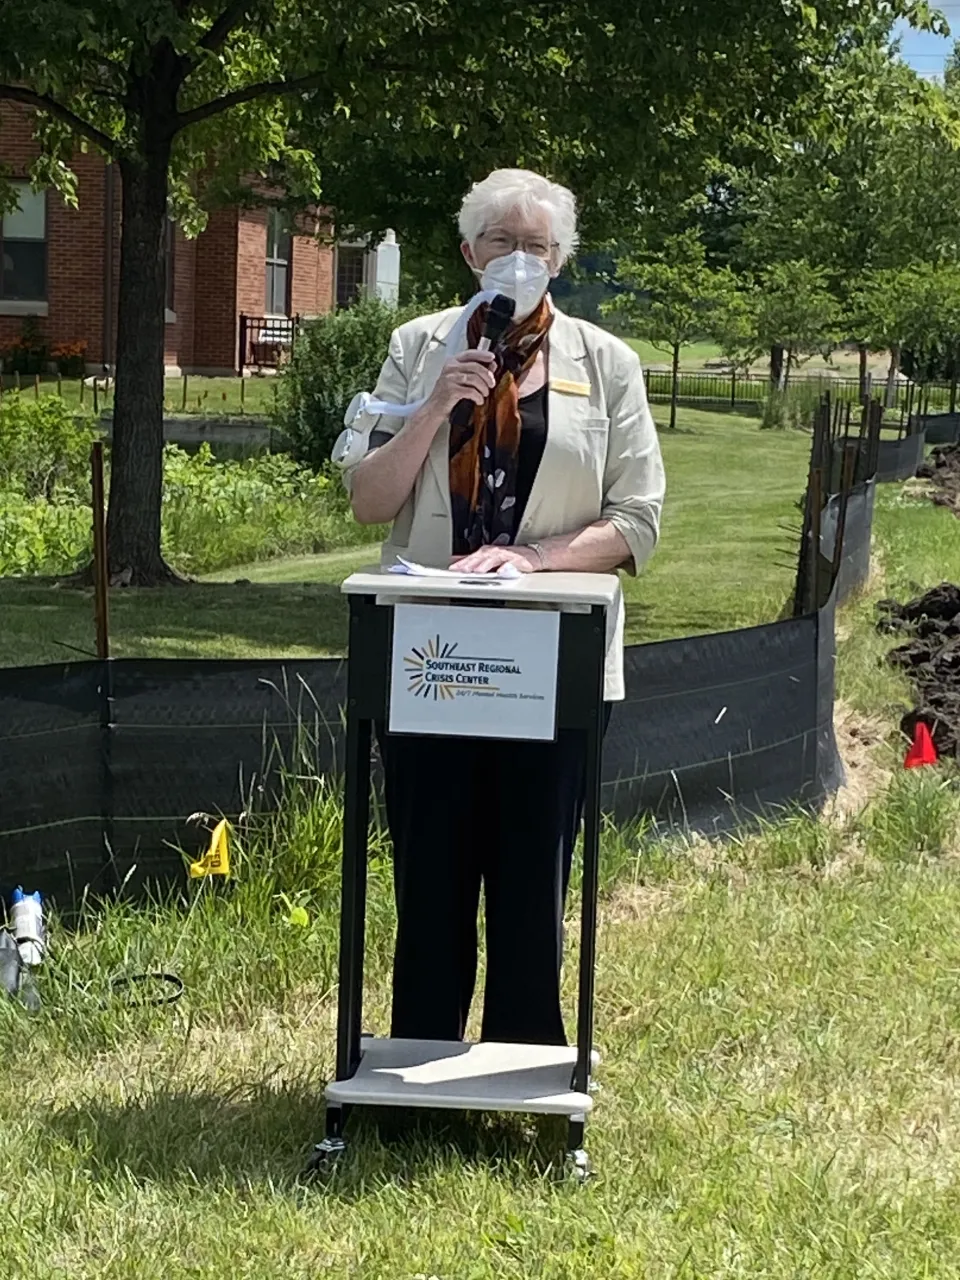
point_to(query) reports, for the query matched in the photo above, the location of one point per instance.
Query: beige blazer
(601, 460)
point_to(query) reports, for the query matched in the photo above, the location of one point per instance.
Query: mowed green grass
(726, 559)
(777, 1018)
(212, 397)
(692, 356)
(697, 355)
(779, 1095)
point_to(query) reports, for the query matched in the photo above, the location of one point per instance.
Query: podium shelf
(466, 1077)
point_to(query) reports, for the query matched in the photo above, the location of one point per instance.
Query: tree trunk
(785, 369)
(890, 399)
(776, 366)
(864, 386)
(136, 461)
(675, 387)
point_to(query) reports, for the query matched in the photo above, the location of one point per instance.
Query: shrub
(222, 513)
(28, 353)
(41, 537)
(215, 514)
(793, 408)
(44, 447)
(334, 357)
(70, 358)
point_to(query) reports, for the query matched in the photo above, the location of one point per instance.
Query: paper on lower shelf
(425, 571)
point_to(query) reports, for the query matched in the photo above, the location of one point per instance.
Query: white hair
(507, 189)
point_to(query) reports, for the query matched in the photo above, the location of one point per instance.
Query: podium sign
(474, 672)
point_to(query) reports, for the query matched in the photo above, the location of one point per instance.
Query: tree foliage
(877, 190)
(384, 110)
(795, 310)
(672, 298)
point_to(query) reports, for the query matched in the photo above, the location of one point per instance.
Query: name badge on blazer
(570, 388)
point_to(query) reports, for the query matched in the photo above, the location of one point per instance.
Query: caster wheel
(578, 1167)
(324, 1158)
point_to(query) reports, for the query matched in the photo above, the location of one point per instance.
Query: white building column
(386, 270)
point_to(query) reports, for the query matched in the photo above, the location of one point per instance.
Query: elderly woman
(575, 482)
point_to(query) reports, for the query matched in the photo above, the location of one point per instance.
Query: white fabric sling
(351, 443)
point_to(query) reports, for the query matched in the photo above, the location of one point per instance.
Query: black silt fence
(89, 804)
(854, 567)
(719, 729)
(899, 459)
(102, 764)
(941, 428)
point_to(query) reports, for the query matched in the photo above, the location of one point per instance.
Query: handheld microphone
(499, 314)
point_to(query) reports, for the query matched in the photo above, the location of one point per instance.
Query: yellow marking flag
(216, 861)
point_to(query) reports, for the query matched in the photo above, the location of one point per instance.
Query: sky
(926, 52)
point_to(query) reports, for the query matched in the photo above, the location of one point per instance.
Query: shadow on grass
(266, 1134)
(45, 623)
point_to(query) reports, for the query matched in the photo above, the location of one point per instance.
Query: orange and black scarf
(483, 455)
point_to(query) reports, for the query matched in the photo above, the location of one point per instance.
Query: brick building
(59, 268)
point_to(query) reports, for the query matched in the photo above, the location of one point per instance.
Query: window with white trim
(23, 247)
(351, 267)
(279, 252)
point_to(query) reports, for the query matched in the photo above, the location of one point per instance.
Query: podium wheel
(324, 1158)
(577, 1167)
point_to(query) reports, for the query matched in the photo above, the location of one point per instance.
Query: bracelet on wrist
(537, 550)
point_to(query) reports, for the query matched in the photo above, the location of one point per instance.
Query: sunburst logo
(416, 663)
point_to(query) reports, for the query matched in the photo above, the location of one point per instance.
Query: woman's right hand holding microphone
(468, 376)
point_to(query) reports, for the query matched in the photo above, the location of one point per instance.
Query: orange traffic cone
(922, 750)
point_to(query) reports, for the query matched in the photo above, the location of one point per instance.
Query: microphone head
(499, 314)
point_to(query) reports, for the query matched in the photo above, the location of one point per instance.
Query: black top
(533, 437)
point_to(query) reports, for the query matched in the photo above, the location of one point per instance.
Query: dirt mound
(942, 469)
(931, 660)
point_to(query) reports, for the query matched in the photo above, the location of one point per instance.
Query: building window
(170, 265)
(351, 262)
(23, 247)
(279, 251)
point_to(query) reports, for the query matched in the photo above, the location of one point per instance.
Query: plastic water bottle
(26, 916)
(10, 964)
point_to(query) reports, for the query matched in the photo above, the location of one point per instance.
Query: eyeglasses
(502, 244)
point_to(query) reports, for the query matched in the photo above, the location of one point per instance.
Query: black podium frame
(580, 675)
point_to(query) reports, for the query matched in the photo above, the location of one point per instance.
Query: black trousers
(464, 813)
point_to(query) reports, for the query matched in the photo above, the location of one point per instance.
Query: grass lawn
(693, 356)
(724, 561)
(191, 395)
(696, 355)
(777, 1019)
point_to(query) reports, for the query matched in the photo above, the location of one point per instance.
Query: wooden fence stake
(101, 606)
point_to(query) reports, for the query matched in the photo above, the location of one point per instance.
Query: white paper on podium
(471, 672)
(414, 570)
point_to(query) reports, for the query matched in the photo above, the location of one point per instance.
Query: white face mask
(517, 275)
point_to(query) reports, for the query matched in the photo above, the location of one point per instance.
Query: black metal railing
(266, 341)
(732, 390)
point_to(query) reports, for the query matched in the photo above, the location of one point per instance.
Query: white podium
(497, 658)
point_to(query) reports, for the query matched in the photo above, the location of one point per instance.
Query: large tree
(383, 109)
